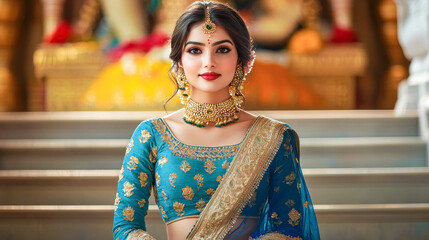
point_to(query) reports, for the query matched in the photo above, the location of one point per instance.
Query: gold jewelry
(201, 114)
(183, 86)
(208, 27)
(237, 85)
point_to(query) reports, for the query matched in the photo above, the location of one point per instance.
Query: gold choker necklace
(201, 114)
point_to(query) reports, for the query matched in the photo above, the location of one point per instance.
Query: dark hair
(222, 15)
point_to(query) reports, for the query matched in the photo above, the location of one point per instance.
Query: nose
(209, 60)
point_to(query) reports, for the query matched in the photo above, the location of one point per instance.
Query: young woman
(217, 171)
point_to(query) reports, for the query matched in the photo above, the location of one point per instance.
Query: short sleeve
(289, 211)
(135, 179)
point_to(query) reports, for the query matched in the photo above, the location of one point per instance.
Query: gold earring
(183, 86)
(237, 85)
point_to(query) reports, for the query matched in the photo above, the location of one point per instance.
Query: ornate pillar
(10, 16)
(413, 29)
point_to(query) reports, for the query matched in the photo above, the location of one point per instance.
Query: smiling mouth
(210, 76)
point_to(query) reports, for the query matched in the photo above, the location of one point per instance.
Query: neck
(212, 98)
(202, 114)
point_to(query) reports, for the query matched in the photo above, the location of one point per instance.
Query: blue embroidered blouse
(185, 177)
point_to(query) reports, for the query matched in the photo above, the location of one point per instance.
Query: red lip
(210, 75)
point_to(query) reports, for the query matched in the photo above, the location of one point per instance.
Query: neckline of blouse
(208, 147)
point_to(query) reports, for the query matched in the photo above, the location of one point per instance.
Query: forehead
(196, 34)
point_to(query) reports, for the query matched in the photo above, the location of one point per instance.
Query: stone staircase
(366, 171)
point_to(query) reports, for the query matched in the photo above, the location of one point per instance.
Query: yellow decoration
(133, 83)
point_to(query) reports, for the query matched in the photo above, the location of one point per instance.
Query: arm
(288, 213)
(135, 179)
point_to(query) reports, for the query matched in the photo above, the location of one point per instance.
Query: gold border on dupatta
(243, 177)
(275, 236)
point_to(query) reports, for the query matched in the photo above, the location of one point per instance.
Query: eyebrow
(214, 44)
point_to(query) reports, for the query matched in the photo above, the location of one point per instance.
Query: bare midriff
(179, 230)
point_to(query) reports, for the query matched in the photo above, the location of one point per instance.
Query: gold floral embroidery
(188, 192)
(164, 214)
(298, 186)
(130, 145)
(210, 167)
(200, 180)
(200, 205)
(128, 189)
(289, 203)
(306, 204)
(172, 178)
(185, 167)
(210, 191)
(294, 217)
(252, 200)
(164, 195)
(145, 135)
(128, 214)
(143, 179)
(117, 201)
(225, 164)
(297, 160)
(193, 152)
(290, 178)
(264, 138)
(287, 145)
(157, 179)
(162, 161)
(179, 208)
(288, 149)
(153, 154)
(121, 173)
(132, 164)
(276, 189)
(277, 220)
(219, 179)
(142, 202)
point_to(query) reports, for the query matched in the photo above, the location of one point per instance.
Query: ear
(248, 67)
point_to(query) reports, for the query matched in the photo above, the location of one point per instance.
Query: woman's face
(209, 67)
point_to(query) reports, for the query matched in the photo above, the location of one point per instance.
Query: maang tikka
(209, 27)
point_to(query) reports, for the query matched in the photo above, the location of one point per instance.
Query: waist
(180, 228)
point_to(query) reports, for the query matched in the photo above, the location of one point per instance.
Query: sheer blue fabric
(185, 177)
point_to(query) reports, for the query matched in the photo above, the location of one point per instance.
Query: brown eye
(194, 51)
(223, 50)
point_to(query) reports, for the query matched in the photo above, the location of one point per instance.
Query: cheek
(229, 64)
(190, 64)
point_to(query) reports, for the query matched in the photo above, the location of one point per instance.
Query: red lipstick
(210, 75)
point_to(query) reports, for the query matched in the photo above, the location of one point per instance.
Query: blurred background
(77, 77)
(62, 55)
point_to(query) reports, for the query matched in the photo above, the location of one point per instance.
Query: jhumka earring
(183, 86)
(237, 85)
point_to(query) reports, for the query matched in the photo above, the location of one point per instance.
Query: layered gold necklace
(201, 114)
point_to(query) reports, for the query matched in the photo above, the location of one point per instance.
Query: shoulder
(147, 128)
(174, 117)
(281, 127)
(147, 124)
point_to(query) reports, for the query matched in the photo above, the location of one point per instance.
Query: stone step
(120, 125)
(21, 154)
(326, 186)
(363, 221)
